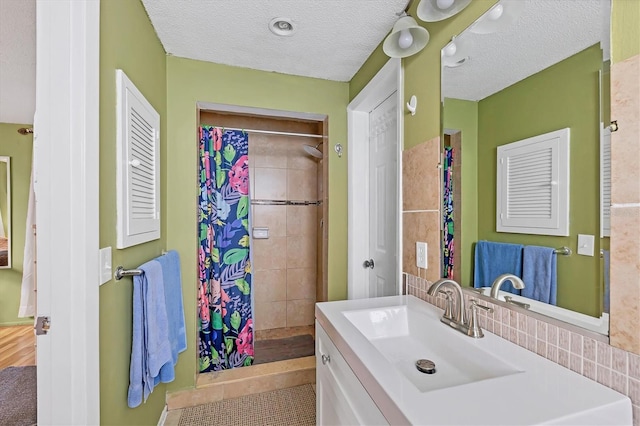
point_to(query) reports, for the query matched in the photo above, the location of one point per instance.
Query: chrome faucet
(497, 283)
(435, 288)
(458, 320)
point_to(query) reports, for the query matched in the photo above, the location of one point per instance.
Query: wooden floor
(17, 346)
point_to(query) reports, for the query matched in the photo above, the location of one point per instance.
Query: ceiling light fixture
(406, 38)
(454, 53)
(499, 17)
(282, 27)
(438, 10)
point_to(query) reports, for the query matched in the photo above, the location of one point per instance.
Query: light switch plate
(586, 244)
(105, 265)
(421, 255)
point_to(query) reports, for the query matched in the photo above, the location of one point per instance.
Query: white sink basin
(397, 333)
(484, 381)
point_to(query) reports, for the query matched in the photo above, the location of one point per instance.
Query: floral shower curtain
(447, 212)
(224, 296)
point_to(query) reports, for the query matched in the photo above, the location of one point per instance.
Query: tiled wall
(610, 366)
(625, 209)
(421, 207)
(285, 264)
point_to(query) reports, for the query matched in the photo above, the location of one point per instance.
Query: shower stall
(287, 228)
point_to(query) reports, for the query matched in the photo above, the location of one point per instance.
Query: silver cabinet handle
(326, 359)
(368, 264)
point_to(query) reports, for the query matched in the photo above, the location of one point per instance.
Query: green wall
(625, 26)
(463, 116)
(190, 81)
(128, 42)
(566, 95)
(19, 148)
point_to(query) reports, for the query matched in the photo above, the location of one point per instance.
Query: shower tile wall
(285, 264)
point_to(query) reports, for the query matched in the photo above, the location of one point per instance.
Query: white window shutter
(138, 173)
(605, 182)
(533, 185)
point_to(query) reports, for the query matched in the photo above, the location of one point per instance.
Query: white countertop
(540, 392)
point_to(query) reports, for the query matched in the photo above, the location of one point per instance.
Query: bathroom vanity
(366, 352)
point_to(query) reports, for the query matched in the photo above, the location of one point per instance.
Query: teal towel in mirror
(494, 259)
(539, 274)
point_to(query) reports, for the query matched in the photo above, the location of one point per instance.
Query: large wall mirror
(526, 68)
(5, 213)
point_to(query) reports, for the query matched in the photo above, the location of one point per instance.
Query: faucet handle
(448, 307)
(474, 304)
(474, 329)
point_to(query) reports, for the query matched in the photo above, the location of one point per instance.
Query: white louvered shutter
(605, 183)
(138, 182)
(533, 185)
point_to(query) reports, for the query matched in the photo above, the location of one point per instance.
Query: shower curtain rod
(273, 132)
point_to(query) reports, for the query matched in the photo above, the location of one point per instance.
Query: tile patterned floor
(290, 406)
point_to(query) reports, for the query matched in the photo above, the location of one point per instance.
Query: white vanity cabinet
(340, 397)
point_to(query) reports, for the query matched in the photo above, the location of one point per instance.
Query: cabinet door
(340, 397)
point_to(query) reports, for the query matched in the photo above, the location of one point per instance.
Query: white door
(374, 204)
(66, 180)
(383, 170)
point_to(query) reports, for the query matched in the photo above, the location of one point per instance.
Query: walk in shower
(287, 224)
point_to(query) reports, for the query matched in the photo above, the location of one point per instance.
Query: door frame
(66, 184)
(389, 78)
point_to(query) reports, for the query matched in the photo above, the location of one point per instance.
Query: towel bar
(566, 251)
(121, 273)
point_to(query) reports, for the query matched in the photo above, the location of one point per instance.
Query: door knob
(368, 264)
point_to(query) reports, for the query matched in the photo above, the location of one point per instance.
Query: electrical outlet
(421, 255)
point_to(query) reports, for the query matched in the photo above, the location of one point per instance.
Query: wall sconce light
(454, 54)
(412, 105)
(406, 38)
(499, 17)
(438, 10)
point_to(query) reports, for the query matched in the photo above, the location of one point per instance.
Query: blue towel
(494, 259)
(539, 274)
(605, 256)
(170, 264)
(150, 348)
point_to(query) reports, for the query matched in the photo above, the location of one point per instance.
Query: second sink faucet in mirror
(497, 283)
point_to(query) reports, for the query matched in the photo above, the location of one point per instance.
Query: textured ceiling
(17, 61)
(332, 40)
(546, 32)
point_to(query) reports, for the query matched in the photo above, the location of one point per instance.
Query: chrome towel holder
(121, 273)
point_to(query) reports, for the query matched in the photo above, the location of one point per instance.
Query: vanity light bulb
(444, 4)
(450, 49)
(496, 12)
(405, 40)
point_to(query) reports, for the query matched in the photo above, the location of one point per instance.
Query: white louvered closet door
(533, 185)
(605, 182)
(138, 183)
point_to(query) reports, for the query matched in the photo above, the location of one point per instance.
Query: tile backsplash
(596, 360)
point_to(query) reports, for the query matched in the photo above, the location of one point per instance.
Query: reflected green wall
(19, 148)
(625, 25)
(129, 42)
(566, 95)
(190, 81)
(463, 116)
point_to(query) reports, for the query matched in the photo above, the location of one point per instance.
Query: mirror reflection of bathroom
(5, 212)
(546, 69)
(288, 213)
(17, 238)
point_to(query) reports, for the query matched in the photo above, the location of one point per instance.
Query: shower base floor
(272, 350)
